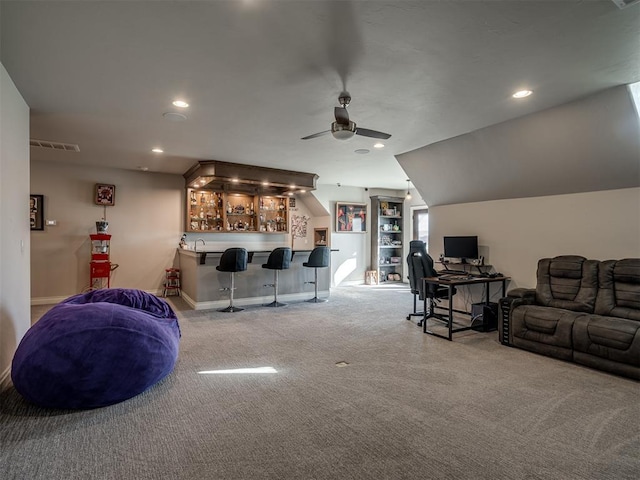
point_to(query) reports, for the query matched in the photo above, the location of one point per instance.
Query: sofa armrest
(528, 295)
(514, 298)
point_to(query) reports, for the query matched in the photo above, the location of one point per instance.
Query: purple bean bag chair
(97, 349)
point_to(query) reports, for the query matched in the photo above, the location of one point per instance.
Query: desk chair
(318, 258)
(233, 260)
(421, 265)
(279, 259)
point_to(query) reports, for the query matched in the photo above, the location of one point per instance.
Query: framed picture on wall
(105, 194)
(351, 217)
(36, 212)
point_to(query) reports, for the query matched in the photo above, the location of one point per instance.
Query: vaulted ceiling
(261, 74)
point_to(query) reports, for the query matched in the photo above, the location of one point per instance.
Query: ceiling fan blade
(365, 132)
(319, 134)
(342, 116)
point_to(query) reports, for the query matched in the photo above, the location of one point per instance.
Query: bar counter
(200, 282)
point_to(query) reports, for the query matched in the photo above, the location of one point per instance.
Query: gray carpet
(399, 405)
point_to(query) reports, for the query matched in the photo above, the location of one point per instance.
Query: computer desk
(455, 281)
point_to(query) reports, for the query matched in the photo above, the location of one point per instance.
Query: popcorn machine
(100, 266)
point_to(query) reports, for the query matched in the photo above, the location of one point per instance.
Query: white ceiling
(261, 74)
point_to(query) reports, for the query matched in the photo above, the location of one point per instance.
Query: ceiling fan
(343, 128)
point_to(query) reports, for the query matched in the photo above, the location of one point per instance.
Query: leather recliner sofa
(586, 311)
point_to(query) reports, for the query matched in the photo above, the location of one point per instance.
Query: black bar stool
(232, 260)
(319, 258)
(279, 259)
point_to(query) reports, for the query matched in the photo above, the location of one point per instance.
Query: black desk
(456, 282)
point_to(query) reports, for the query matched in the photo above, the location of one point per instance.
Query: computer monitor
(461, 247)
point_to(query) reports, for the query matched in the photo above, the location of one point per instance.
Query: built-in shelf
(386, 226)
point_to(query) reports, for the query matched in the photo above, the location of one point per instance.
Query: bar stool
(279, 259)
(319, 258)
(232, 260)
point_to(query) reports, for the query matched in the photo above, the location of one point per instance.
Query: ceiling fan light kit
(343, 132)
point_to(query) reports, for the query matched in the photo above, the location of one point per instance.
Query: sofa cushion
(567, 281)
(616, 339)
(547, 325)
(91, 351)
(619, 293)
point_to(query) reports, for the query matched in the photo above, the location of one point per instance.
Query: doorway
(421, 225)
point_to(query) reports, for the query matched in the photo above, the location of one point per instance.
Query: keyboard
(456, 276)
(454, 272)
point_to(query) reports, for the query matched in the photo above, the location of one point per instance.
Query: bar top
(204, 251)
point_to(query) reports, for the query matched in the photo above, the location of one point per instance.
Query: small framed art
(36, 212)
(105, 194)
(351, 217)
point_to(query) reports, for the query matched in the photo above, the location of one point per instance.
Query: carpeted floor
(359, 393)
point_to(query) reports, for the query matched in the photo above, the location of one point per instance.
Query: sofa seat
(544, 330)
(609, 343)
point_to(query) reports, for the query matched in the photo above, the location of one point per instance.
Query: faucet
(196, 243)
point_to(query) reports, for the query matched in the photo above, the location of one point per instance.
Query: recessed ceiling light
(292, 186)
(234, 180)
(522, 93)
(303, 191)
(266, 184)
(174, 116)
(157, 150)
(362, 151)
(379, 145)
(180, 103)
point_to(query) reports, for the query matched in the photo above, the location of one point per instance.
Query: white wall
(514, 234)
(15, 314)
(353, 258)
(146, 223)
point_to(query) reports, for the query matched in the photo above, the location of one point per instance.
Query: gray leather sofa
(581, 310)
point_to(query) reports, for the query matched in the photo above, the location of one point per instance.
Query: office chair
(421, 265)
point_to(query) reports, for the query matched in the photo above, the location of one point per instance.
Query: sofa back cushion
(619, 293)
(569, 282)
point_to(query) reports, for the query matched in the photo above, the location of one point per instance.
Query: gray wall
(145, 223)
(584, 146)
(15, 314)
(561, 181)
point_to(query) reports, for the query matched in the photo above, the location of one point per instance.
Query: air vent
(68, 147)
(625, 3)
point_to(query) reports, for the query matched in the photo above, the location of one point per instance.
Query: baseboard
(5, 378)
(56, 300)
(350, 283)
(47, 300)
(253, 301)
